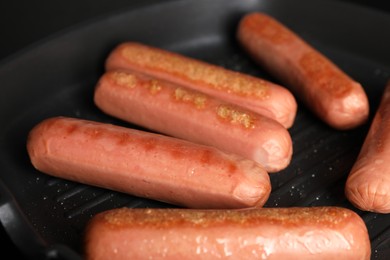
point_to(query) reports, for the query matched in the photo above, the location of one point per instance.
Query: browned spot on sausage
(149, 144)
(71, 128)
(329, 217)
(232, 167)
(194, 71)
(49, 123)
(124, 79)
(177, 153)
(206, 157)
(123, 138)
(153, 86)
(268, 28)
(236, 116)
(93, 133)
(130, 80)
(191, 97)
(380, 125)
(321, 71)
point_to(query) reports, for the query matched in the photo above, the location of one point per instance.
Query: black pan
(45, 216)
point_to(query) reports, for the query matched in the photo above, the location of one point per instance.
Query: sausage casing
(146, 164)
(265, 233)
(184, 113)
(328, 91)
(258, 95)
(368, 183)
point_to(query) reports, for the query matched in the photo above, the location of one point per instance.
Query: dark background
(25, 23)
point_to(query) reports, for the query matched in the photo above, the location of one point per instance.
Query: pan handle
(22, 233)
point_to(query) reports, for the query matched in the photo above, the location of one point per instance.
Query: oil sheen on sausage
(264, 233)
(180, 112)
(328, 91)
(368, 183)
(146, 164)
(253, 93)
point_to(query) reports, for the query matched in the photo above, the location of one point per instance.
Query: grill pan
(45, 217)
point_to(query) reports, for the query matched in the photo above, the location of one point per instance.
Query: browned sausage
(146, 165)
(255, 94)
(328, 91)
(368, 183)
(266, 233)
(180, 112)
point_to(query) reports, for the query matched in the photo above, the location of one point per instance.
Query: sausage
(263, 233)
(329, 92)
(253, 93)
(368, 183)
(146, 164)
(180, 112)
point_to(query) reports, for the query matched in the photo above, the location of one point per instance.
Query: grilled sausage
(255, 94)
(266, 233)
(368, 183)
(146, 164)
(329, 92)
(176, 111)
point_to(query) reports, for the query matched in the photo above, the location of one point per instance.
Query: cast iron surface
(45, 216)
